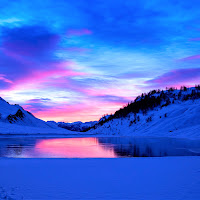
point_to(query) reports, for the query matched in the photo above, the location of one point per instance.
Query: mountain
(15, 114)
(14, 119)
(77, 126)
(171, 112)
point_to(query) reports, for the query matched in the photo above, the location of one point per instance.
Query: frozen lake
(103, 147)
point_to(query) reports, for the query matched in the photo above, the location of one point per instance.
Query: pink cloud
(2, 77)
(108, 91)
(176, 78)
(28, 54)
(194, 57)
(37, 77)
(90, 111)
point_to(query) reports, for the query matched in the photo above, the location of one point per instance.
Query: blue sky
(77, 60)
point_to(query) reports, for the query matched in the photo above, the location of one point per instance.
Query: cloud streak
(98, 55)
(176, 77)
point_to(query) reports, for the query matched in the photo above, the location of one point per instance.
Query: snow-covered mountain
(77, 126)
(158, 113)
(14, 119)
(15, 114)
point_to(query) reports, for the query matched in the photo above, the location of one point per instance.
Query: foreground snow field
(174, 178)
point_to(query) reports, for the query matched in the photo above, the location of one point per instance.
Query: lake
(94, 147)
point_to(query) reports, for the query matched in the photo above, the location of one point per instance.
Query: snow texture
(175, 120)
(76, 126)
(169, 178)
(15, 120)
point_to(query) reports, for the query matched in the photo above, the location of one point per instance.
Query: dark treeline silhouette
(149, 101)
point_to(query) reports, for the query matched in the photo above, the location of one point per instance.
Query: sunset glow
(78, 60)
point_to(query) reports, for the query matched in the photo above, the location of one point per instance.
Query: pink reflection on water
(73, 148)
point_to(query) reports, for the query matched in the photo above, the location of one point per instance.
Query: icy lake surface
(91, 147)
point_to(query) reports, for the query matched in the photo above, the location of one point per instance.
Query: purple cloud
(190, 58)
(26, 49)
(137, 74)
(28, 55)
(31, 41)
(78, 32)
(3, 78)
(112, 98)
(35, 105)
(177, 78)
(194, 39)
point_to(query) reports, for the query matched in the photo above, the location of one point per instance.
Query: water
(105, 147)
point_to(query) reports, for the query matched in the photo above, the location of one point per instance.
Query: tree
(149, 119)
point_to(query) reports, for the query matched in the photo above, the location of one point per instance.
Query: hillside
(15, 120)
(159, 113)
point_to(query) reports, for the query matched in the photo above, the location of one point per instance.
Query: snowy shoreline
(90, 135)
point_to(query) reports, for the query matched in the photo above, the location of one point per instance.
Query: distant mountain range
(74, 126)
(170, 112)
(77, 126)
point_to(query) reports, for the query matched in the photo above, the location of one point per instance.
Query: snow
(174, 178)
(10, 129)
(180, 119)
(7, 109)
(175, 120)
(76, 126)
(26, 123)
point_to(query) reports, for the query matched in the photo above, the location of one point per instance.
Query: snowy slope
(15, 114)
(15, 120)
(178, 119)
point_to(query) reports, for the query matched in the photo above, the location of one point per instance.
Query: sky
(77, 60)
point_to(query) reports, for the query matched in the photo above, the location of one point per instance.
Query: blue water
(105, 147)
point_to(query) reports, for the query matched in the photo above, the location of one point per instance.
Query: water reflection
(110, 147)
(74, 147)
(152, 147)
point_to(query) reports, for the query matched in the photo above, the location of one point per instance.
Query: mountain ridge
(15, 120)
(160, 113)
